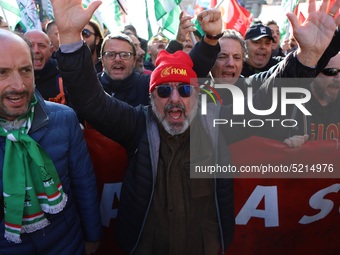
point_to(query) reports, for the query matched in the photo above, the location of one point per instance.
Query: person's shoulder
(59, 109)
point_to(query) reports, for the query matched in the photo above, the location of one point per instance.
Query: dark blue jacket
(55, 127)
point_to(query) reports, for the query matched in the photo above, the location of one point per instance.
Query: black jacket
(49, 83)
(133, 90)
(137, 130)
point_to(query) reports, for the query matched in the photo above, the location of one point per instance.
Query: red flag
(234, 16)
(299, 14)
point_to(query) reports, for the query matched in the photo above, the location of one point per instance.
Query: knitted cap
(175, 67)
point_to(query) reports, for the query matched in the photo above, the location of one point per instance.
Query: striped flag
(112, 15)
(96, 16)
(9, 10)
(150, 34)
(284, 25)
(167, 15)
(29, 15)
(47, 9)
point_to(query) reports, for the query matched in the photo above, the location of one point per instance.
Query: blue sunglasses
(184, 90)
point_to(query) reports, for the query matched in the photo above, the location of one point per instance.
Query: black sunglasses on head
(87, 33)
(184, 90)
(330, 71)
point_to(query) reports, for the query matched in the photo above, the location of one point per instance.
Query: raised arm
(71, 17)
(314, 35)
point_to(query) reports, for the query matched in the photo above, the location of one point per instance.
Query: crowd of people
(142, 102)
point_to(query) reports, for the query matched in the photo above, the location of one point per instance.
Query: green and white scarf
(31, 184)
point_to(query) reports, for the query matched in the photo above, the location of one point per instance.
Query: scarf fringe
(15, 238)
(54, 209)
(35, 226)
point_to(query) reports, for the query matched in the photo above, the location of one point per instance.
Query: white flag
(9, 10)
(47, 9)
(29, 15)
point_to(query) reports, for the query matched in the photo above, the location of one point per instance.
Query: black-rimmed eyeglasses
(330, 71)
(87, 33)
(111, 55)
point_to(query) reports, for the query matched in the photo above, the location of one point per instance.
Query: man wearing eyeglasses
(162, 210)
(119, 77)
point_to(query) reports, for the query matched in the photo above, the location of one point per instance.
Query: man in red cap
(162, 209)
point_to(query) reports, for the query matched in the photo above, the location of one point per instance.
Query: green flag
(286, 6)
(167, 15)
(112, 15)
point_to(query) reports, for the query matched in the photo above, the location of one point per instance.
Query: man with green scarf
(48, 201)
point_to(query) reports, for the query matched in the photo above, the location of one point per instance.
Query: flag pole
(5, 17)
(219, 4)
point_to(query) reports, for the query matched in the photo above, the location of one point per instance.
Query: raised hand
(185, 27)
(296, 141)
(211, 21)
(71, 17)
(315, 33)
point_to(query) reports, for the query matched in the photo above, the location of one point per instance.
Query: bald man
(47, 77)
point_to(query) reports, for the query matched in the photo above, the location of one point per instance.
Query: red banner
(109, 162)
(286, 216)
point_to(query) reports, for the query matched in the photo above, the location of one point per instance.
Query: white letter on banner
(271, 212)
(110, 191)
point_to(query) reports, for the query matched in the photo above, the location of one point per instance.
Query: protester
(119, 78)
(259, 41)
(155, 45)
(311, 216)
(52, 32)
(133, 90)
(289, 44)
(93, 36)
(131, 29)
(324, 105)
(140, 54)
(44, 155)
(47, 76)
(276, 45)
(205, 198)
(151, 133)
(229, 63)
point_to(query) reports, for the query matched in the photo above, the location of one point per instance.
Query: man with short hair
(48, 201)
(52, 32)
(131, 29)
(155, 45)
(259, 41)
(140, 54)
(47, 76)
(323, 124)
(276, 45)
